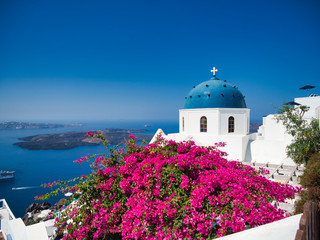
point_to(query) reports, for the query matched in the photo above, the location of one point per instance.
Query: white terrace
(12, 228)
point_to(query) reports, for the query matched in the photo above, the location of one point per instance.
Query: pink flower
(82, 159)
(184, 182)
(170, 190)
(131, 136)
(90, 134)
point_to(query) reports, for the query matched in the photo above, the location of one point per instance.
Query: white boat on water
(6, 174)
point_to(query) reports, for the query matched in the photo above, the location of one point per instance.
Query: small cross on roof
(214, 70)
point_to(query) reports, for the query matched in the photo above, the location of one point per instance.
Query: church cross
(214, 70)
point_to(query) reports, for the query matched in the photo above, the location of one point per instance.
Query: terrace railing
(309, 226)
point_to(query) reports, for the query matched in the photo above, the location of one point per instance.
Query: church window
(231, 124)
(182, 124)
(203, 124)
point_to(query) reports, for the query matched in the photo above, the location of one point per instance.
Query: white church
(216, 111)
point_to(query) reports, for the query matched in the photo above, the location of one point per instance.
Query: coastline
(69, 140)
(34, 168)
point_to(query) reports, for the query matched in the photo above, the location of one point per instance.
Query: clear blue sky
(133, 60)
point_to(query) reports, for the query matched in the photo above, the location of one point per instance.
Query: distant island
(26, 125)
(69, 140)
(254, 126)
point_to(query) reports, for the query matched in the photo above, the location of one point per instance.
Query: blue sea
(35, 167)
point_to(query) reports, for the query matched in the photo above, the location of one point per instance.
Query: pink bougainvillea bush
(168, 190)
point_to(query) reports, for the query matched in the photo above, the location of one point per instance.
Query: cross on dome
(214, 70)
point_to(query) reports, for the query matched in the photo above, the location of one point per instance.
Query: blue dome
(215, 93)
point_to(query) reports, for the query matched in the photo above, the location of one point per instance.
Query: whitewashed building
(216, 111)
(272, 139)
(12, 228)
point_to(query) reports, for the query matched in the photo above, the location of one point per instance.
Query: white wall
(241, 121)
(318, 114)
(312, 102)
(192, 120)
(236, 145)
(271, 143)
(272, 137)
(278, 230)
(268, 151)
(273, 130)
(217, 120)
(36, 232)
